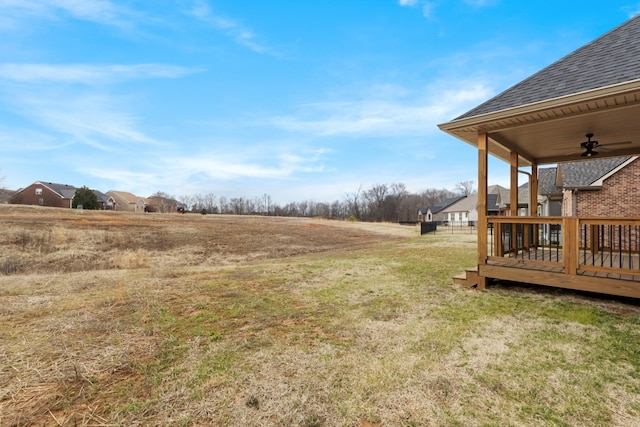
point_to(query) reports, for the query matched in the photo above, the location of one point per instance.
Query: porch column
(533, 203)
(533, 191)
(483, 141)
(513, 200)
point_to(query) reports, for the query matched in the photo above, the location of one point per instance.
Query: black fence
(428, 227)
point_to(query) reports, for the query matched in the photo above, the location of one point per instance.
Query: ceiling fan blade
(610, 147)
(613, 144)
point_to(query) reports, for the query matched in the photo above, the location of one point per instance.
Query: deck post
(513, 200)
(533, 202)
(570, 245)
(483, 149)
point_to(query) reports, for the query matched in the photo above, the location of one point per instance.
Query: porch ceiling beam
(525, 155)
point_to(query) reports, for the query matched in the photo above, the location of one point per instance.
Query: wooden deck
(603, 254)
(603, 265)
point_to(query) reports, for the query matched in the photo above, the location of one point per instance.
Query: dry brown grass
(121, 319)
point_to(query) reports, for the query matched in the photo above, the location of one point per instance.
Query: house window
(41, 201)
(459, 216)
(466, 215)
(38, 191)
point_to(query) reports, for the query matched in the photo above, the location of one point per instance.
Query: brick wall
(619, 196)
(39, 195)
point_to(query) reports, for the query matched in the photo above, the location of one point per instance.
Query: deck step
(468, 278)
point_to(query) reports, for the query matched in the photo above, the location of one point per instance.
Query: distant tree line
(380, 202)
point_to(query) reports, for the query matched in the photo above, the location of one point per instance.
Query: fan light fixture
(589, 146)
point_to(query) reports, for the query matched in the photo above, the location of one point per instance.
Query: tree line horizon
(379, 203)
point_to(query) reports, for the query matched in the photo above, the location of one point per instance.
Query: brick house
(611, 194)
(45, 194)
(601, 187)
(542, 120)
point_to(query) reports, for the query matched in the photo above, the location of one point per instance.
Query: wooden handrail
(581, 241)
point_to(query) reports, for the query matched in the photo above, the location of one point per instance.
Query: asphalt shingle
(610, 59)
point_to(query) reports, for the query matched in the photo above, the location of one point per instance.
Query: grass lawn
(310, 324)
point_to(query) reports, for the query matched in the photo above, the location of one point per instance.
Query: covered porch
(544, 120)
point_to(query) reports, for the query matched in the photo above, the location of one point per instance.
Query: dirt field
(45, 240)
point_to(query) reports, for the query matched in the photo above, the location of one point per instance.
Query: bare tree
(188, 200)
(237, 205)
(354, 202)
(267, 203)
(466, 188)
(375, 198)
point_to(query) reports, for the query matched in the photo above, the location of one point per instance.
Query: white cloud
(427, 9)
(482, 3)
(94, 120)
(410, 3)
(89, 74)
(254, 163)
(231, 28)
(101, 11)
(388, 117)
(632, 10)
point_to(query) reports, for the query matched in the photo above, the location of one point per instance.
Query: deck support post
(533, 202)
(513, 200)
(570, 245)
(483, 150)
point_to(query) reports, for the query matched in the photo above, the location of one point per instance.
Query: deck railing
(596, 246)
(609, 245)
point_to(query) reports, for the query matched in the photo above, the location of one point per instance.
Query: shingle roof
(125, 195)
(583, 174)
(64, 190)
(101, 196)
(576, 174)
(466, 204)
(547, 182)
(610, 59)
(445, 203)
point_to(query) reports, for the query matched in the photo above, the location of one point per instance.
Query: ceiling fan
(589, 146)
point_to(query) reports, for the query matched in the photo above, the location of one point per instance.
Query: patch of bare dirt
(42, 240)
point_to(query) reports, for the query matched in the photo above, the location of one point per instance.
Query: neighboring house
(5, 195)
(549, 193)
(504, 200)
(465, 210)
(434, 213)
(45, 194)
(125, 201)
(603, 187)
(105, 201)
(161, 204)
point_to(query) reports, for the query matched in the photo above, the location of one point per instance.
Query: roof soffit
(551, 131)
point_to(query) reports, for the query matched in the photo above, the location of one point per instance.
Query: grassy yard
(356, 326)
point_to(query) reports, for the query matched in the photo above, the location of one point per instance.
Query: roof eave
(467, 128)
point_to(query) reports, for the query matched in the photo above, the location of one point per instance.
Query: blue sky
(300, 100)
